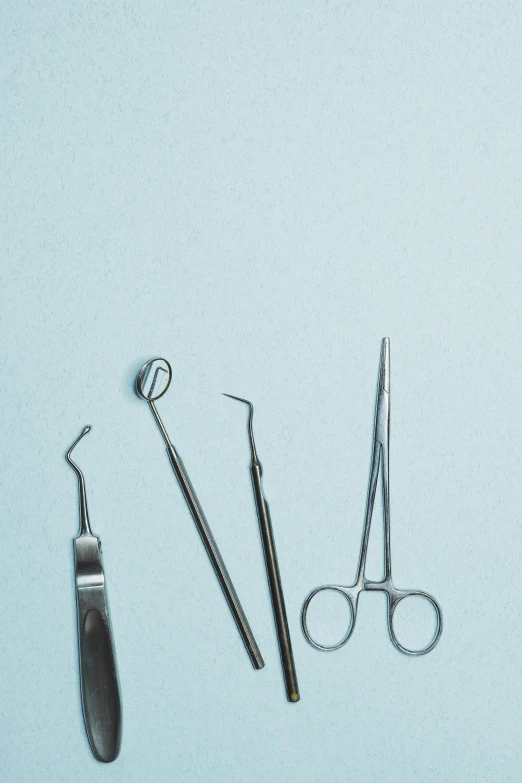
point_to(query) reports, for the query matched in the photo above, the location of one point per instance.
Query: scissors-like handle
(352, 596)
(395, 597)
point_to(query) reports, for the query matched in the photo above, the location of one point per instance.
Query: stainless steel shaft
(215, 558)
(274, 580)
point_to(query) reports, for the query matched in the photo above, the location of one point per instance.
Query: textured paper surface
(260, 192)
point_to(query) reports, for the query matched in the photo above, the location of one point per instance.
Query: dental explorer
(272, 566)
(98, 672)
(152, 382)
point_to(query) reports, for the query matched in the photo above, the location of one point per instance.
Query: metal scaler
(98, 672)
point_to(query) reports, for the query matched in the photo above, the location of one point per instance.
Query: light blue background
(260, 192)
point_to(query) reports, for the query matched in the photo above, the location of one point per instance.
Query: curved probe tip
(85, 528)
(240, 399)
(85, 430)
(250, 418)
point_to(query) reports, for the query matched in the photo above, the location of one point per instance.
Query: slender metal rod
(85, 528)
(211, 547)
(370, 500)
(276, 588)
(272, 566)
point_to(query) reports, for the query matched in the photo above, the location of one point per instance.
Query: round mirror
(154, 379)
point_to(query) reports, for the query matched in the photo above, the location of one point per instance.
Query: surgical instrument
(98, 673)
(380, 460)
(272, 567)
(152, 383)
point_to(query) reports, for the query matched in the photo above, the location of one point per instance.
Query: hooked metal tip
(384, 368)
(241, 399)
(85, 528)
(85, 430)
(250, 418)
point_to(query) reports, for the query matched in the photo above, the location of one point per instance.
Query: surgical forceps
(380, 459)
(98, 673)
(152, 382)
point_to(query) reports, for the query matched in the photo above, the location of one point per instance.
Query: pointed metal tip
(384, 370)
(250, 417)
(240, 399)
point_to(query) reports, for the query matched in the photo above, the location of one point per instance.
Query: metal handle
(351, 594)
(98, 673)
(215, 558)
(276, 589)
(394, 599)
